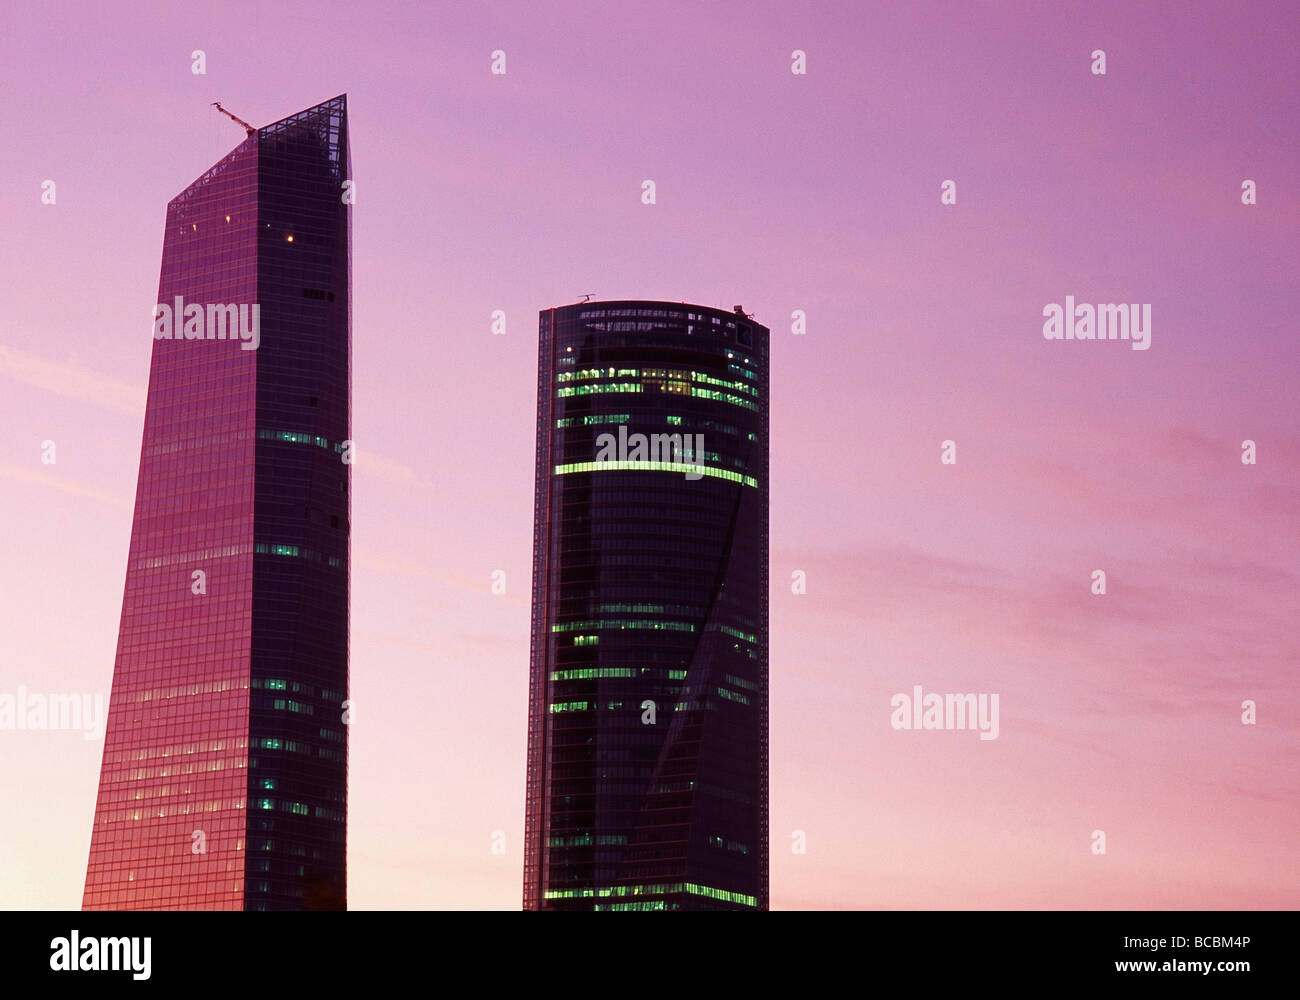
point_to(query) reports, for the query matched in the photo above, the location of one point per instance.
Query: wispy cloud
(88, 385)
(21, 475)
(72, 381)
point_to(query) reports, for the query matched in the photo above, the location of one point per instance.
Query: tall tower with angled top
(224, 777)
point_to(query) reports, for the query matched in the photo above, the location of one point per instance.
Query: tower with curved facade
(647, 738)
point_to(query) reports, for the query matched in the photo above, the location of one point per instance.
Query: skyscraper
(224, 777)
(647, 734)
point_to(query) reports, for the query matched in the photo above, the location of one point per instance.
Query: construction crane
(250, 129)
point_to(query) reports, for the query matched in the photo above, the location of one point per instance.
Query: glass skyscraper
(224, 777)
(647, 736)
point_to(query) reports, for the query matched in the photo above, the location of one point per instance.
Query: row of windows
(297, 808)
(586, 840)
(192, 557)
(277, 684)
(673, 420)
(148, 753)
(660, 446)
(591, 673)
(589, 421)
(287, 704)
(680, 388)
(113, 776)
(258, 844)
(294, 550)
(682, 467)
(728, 630)
(161, 812)
(633, 623)
(650, 609)
(639, 904)
(657, 313)
(660, 374)
(189, 689)
(601, 673)
(586, 374)
(654, 609)
(293, 746)
(323, 752)
(691, 888)
(591, 390)
(681, 706)
(299, 437)
(730, 845)
(724, 397)
(735, 384)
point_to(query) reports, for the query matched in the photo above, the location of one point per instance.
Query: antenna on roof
(587, 297)
(250, 129)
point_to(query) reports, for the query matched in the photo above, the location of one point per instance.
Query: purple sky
(819, 192)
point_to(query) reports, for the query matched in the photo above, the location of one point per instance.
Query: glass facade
(224, 776)
(647, 740)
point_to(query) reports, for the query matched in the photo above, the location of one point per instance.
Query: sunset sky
(819, 192)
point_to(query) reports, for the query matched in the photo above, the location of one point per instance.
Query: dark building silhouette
(224, 777)
(647, 737)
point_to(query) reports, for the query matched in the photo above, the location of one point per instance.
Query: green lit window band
(602, 673)
(586, 840)
(297, 808)
(722, 383)
(725, 397)
(747, 636)
(300, 437)
(703, 470)
(640, 904)
(655, 890)
(286, 704)
(589, 421)
(722, 894)
(294, 437)
(592, 390)
(590, 673)
(644, 609)
(590, 373)
(277, 744)
(623, 623)
(292, 550)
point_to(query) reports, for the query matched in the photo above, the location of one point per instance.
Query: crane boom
(250, 129)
